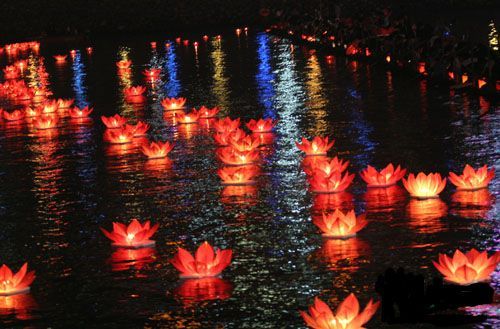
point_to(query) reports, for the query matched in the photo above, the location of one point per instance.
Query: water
(58, 188)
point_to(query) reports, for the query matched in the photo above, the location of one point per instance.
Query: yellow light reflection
(317, 102)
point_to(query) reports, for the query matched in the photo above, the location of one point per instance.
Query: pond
(59, 188)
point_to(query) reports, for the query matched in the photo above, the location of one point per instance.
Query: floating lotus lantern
(32, 112)
(157, 150)
(134, 94)
(135, 235)
(152, 74)
(244, 144)
(318, 146)
(64, 103)
(206, 112)
(326, 166)
(140, 129)
(424, 186)
(119, 136)
(60, 58)
(114, 122)
(333, 183)
(49, 107)
(232, 157)
(386, 177)
(237, 175)
(261, 125)
(76, 112)
(15, 115)
(346, 316)
(224, 138)
(472, 179)
(13, 284)
(187, 118)
(123, 64)
(46, 122)
(173, 104)
(340, 225)
(468, 268)
(226, 124)
(206, 262)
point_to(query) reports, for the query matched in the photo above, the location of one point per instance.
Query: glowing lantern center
(130, 237)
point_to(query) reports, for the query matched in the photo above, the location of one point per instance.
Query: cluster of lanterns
(239, 153)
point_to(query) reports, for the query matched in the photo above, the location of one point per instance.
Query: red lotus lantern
(424, 186)
(187, 118)
(119, 136)
(114, 122)
(481, 83)
(135, 235)
(152, 74)
(157, 150)
(333, 183)
(237, 175)
(244, 144)
(15, 115)
(325, 166)
(340, 225)
(173, 104)
(318, 146)
(226, 124)
(206, 112)
(64, 103)
(46, 122)
(134, 94)
(13, 284)
(261, 125)
(206, 262)
(386, 177)
(472, 179)
(140, 129)
(224, 138)
(32, 112)
(232, 157)
(49, 107)
(346, 316)
(60, 58)
(468, 268)
(76, 112)
(123, 64)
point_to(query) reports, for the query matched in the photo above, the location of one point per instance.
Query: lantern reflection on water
(193, 291)
(425, 215)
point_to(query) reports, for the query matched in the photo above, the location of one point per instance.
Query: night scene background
(413, 84)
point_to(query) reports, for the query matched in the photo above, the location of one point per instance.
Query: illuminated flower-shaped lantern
(318, 146)
(124, 64)
(346, 316)
(224, 138)
(244, 144)
(386, 177)
(46, 122)
(119, 136)
(326, 166)
(226, 124)
(173, 104)
(134, 94)
(31, 112)
(15, 115)
(13, 284)
(60, 58)
(49, 107)
(76, 112)
(135, 235)
(152, 74)
(261, 125)
(424, 186)
(333, 183)
(340, 225)
(207, 113)
(139, 129)
(468, 268)
(205, 263)
(11, 72)
(187, 118)
(232, 157)
(237, 175)
(114, 122)
(157, 150)
(64, 103)
(472, 179)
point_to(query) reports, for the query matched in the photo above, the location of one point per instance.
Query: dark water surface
(57, 190)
